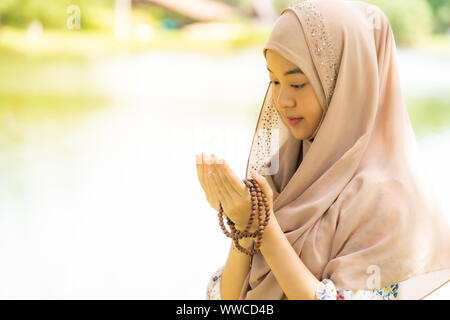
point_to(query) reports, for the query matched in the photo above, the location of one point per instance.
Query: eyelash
(293, 85)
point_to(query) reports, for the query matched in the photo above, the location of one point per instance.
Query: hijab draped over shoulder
(351, 199)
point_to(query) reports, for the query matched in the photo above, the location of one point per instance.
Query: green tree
(441, 11)
(411, 20)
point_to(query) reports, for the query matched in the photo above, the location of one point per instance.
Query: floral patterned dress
(325, 291)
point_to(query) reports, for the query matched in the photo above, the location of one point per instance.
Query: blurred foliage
(161, 14)
(41, 93)
(244, 5)
(53, 14)
(280, 5)
(429, 113)
(411, 20)
(408, 17)
(441, 11)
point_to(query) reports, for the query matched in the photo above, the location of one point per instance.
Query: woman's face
(294, 96)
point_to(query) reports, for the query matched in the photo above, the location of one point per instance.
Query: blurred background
(103, 106)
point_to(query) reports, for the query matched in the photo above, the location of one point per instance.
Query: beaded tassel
(259, 201)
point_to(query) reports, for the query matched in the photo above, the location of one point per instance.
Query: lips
(294, 121)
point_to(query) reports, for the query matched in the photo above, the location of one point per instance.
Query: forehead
(278, 64)
(275, 58)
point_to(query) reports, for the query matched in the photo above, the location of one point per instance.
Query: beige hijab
(357, 210)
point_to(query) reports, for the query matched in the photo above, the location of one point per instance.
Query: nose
(285, 100)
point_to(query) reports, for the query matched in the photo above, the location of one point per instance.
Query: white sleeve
(327, 291)
(213, 288)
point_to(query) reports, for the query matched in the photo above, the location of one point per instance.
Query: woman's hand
(222, 186)
(203, 167)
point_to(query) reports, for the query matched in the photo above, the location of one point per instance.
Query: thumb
(263, 184)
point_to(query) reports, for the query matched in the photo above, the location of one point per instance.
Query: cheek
(307, 104)
(310, 104)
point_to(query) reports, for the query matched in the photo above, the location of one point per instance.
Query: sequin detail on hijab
(321, 43)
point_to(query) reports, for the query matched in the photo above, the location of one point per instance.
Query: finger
(224, 181)
(209, 193)
(231, 178)
(199, 166)
(224, 189)
(221, 198)
(203, 172)
(263, 184)
(200, 163)
(214, 190)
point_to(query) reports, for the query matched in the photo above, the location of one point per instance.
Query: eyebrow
(296, 70)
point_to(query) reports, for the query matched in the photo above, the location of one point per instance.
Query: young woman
(351, 214)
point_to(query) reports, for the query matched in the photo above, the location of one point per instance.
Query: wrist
(246, 243)
(253, 228)
(241, 225)
(272, 231)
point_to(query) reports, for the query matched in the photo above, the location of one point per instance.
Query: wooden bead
(259, 209)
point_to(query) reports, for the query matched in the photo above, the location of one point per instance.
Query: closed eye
(296, 86)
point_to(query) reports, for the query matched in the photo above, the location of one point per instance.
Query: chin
(301, 135)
